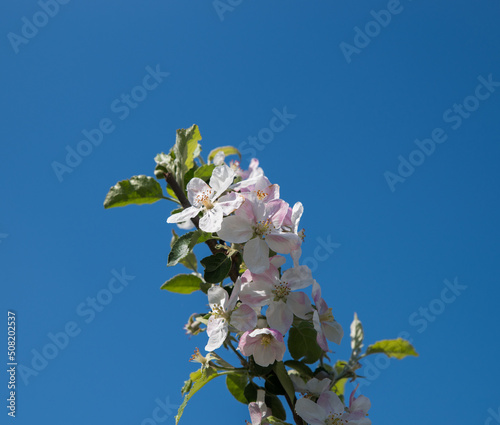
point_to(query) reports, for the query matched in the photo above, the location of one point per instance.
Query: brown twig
(298, 420)
(211, 243)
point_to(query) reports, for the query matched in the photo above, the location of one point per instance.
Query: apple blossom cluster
(263, 305)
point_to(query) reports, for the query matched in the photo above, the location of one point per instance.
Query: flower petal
(283, 243)
(256, 255)
(331, 403)
(212, 219)
(195, 188)
(217, 335)
(299, 304)
(217, 296)
(298, 277)
(184, 215)
(230, 202)
(244, 318)
(221, 179)
(279, 316)
(311, 412)
(333, 331)
(235, 229)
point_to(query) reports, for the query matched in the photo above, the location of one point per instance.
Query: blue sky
(402, 219)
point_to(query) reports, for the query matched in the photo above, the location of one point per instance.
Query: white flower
(259, 225)
(205, 198)
(324, 323)
(225, 312)
(329, 410)
(265, 345)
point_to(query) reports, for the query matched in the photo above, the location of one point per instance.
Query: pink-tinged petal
(246, 211)
(311, 412)
(361, 404)
(298, 277)
(264, 355)
(333, 331)
(222, 178)
(316, 291)
(273, 192)
(276, 210)
(244, 344)
(283, 243)
(230, 202)
(331, 403)
(299, 304)
(320, 336)
(212, 219)
(317, 386)
(279, 316)
(255, 413)
(320, 303)
(197, 188)
(256, 294)
(244, 318)
(277, 261)
(217, 296)
(184, 215)
(295, 254)
(235, 229)
(256, 255)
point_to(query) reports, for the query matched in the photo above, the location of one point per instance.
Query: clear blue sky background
(353, 118)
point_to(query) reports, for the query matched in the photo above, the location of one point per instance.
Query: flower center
(261, 194)
(327, 316)
(281, 291)
(218, 312)
(263, 227)
(197, 357)
(266, 340)
(335, 419)
(204, 198)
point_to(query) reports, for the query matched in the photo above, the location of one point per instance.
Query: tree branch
(298, 420)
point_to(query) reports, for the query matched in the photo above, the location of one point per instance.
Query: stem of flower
(244, 362)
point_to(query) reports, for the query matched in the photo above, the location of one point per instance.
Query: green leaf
(228, 150)
(137, 190)
(273, 385)
(302, 343)
(189, 261)
(183, 284)
(276, 406)
(300, 367)
(199, 236)
(357, 336)
(198, 380)
(180, 249)
(204, 172)
(236, 384)
(186, 144)
(397, 348)
(286, 382)
(250, 392)
(217, 267)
